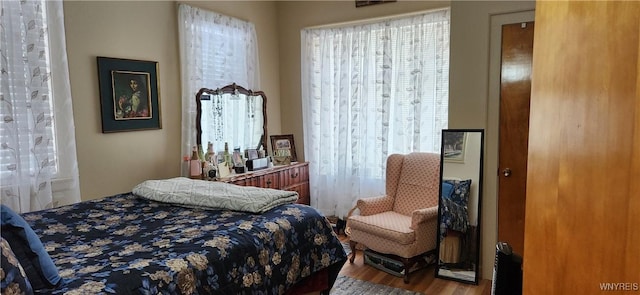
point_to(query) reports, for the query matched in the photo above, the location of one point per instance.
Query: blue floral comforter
(128, 245)
(453, 206)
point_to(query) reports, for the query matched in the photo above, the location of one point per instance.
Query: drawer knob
(268, 182)
(294, 175)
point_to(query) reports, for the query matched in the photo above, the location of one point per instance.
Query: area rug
(349, 286)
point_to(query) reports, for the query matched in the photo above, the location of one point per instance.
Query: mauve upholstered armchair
(403, 222)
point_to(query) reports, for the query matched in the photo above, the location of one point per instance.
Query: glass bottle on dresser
(195, 166)
(209, 170)
(227, 156)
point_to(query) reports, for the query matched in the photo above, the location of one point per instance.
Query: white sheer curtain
(215, 50)
(38, 154)
(368, 91)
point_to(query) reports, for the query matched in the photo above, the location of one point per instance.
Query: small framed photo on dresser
(252, 154)
(283, 145)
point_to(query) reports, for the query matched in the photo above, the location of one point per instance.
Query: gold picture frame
(283, 145)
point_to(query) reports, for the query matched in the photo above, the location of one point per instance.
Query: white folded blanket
(213, 194)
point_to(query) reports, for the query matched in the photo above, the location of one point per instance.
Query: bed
(126, 244)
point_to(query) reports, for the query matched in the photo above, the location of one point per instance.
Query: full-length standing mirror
(459, 206)
(231, 114)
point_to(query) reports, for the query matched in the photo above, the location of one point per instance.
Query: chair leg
(408, 263)
(352, 245)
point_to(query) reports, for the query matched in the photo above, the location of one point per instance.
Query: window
(215, 50)
(39, 167)
(371, 90)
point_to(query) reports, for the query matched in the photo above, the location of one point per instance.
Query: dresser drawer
(269, 181)
(242, 182)
(303, 192)
(294, 175)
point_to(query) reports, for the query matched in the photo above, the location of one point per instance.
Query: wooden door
(583, 188)
(515, 93)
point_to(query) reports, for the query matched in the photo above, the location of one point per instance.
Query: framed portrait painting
(252, 154)
(283, 145)
(129, 94)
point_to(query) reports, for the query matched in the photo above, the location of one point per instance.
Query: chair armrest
(422, 215)
(375, 205)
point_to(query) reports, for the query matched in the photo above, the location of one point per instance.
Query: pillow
(460, 191)
(454, 207)
(13, 279)
(447, 189)
(40, 269)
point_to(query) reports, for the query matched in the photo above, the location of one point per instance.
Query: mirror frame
(231, 89)
(476, 259)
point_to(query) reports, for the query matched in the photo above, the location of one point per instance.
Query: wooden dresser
(294, 177)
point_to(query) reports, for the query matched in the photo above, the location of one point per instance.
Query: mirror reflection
(231, 114)
(459, 204)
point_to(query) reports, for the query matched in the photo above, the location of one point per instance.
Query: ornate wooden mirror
(231, 114)
(459, 205)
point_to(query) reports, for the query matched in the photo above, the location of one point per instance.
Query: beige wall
(472, 104)
(113, 163)
(144, 30)
(147, 30)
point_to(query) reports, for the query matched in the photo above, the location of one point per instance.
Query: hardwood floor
(422, 281)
